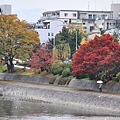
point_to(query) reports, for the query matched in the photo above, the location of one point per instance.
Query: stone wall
(75, 83)
(92, 85)
(25, 78)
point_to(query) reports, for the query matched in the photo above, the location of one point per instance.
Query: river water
(34, 110)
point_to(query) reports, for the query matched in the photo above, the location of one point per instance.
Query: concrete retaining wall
(92, 85)
(75, 83)
(25, 78)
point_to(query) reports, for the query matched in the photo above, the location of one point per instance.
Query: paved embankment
(24, 78)
(113, 87)
(94, 102)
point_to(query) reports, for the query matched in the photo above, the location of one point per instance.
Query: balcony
(48, 17)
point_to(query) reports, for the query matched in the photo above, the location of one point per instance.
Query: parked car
(14, 62)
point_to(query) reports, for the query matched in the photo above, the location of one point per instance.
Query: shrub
(69, 65)
(57, 69)
(82, 76)
(38, 71)
(3, 68)
(52, 80)
(64, 81)
(66, 72)
(91, 76)
(117, 78)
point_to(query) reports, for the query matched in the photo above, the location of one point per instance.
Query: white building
(5, 9)
(49, 29)
(52, 21)
(106, 24)
(115, 7)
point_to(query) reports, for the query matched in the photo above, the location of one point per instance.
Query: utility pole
(95, 4)
(76, 39)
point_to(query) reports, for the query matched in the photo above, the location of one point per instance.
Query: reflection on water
(21, 110)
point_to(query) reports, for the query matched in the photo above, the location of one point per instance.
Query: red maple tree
(97, 55)
(41, 59)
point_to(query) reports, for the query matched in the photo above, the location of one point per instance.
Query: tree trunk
(10, 66)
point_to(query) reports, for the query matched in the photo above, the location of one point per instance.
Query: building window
(74, 15)
(94, 16)
(65, 14)
(48, 34)
(51, 34)
(103, 16)
(65, 21)
(91, 28)
(90, 22)
(48, 26)
(112, 24)
(83, 23)
(84, 27)
(90, 16)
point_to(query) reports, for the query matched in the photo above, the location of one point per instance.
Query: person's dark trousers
(100, 89)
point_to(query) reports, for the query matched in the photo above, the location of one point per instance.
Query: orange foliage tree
(100, 55)
(16, 39)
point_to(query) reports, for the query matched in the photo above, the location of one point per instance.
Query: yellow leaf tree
(77, 27)
(83, 41)
(16, 39)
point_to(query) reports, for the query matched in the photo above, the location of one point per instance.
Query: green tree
(75, 36)
(116, 38)
(16, 39)
(70, 35)
(62, 52)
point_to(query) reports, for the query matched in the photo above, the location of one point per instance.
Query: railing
(48, 17)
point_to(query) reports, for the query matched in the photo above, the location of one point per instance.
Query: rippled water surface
(22, 110)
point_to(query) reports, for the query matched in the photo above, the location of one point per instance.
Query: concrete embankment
(25, 78)
(94, 102)
(113, 87)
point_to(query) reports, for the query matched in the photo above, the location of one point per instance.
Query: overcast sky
(46, 5)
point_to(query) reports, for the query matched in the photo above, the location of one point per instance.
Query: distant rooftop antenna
(95, 4)
(88, 5)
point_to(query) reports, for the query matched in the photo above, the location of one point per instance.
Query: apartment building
(115, 7)
(52, 21)
(5, 9)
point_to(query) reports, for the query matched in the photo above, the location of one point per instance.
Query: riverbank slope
(95, 102)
